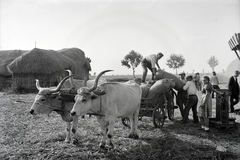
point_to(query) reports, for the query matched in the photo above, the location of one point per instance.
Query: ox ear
(99, 92)
(53, 95)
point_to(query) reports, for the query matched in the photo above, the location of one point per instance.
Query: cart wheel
(170, 113)
(158, 117)
(126, 122)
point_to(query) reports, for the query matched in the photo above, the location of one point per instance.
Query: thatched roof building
(81, 63)
(6, 57)
(40, 62)
(48, 66)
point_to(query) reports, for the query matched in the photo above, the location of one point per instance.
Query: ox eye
(42, 100)
(84, 100)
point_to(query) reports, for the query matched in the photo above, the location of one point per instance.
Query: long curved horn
(60, 84)
(70, 79)
(37, 84)
(96, 80)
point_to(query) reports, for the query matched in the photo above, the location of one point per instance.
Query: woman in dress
(205, 108)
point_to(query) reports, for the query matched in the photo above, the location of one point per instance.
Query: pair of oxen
(108, 101)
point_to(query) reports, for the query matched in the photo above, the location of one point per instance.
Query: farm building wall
(27, 83)
(5, 82)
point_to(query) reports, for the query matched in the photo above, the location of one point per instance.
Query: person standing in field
(233, 87)
(215, 82)
(197, 81)
(150, 63)
(192, 100)
(205, 108)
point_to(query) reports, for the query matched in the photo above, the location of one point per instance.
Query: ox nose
(73, 113)
(32, 111)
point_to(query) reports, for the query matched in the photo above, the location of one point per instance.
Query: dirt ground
(24, 136)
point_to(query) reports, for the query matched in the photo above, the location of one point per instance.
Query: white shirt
(190, 87)
(214, 80)
(152, 58)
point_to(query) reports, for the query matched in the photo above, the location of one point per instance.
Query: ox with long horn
(96, 80)
(53, 90)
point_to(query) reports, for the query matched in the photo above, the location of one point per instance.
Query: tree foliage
(213, 62)
(175, 61)
(132, 60)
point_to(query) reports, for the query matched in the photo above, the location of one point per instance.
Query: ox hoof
(75, 141)
(133, 136)
(110, 146)
(67, 141)
(101, 146)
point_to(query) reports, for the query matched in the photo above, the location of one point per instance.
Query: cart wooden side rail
(156, 108)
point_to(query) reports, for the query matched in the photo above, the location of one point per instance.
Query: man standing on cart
(149, 62)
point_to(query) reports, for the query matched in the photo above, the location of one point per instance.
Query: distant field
(223, 79)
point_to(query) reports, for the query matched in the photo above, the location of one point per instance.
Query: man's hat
(160, 54)
(182, 73)
(189, 76)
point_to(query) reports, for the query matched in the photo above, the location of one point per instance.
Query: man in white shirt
(214, 81)
(150, 63)
(192, 101)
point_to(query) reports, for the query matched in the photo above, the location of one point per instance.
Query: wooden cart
(156, 108)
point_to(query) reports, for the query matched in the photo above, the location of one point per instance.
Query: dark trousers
(146, 65)
(181, 100)
(215, 87)
(191, 103)
(232, 102)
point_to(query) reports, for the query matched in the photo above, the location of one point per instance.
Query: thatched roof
(76, 55)
(233, 66)
(80, 61)
(6, 57)
(40, 61)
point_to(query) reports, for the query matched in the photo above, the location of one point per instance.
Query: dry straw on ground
(24, 136)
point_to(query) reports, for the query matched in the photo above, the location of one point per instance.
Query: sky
(107, 30)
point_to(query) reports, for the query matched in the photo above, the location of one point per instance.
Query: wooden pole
(237, 54)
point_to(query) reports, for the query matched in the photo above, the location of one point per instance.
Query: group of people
(191, 86)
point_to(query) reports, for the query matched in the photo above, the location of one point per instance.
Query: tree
(213, 62)
(175, 61)
(132, 60)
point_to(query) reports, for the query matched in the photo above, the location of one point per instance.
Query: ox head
(85, 96)
(47, 98)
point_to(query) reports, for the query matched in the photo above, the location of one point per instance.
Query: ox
(49, 99)
(109, 101)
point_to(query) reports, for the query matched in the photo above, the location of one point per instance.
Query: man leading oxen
(109, 101)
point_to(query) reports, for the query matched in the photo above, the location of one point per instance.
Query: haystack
(6, 57)
(80, 61)
(46, 65)
(232, 67)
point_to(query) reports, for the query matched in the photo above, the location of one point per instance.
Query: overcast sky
(107, 30)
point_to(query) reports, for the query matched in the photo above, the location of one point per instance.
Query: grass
(24, 136)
